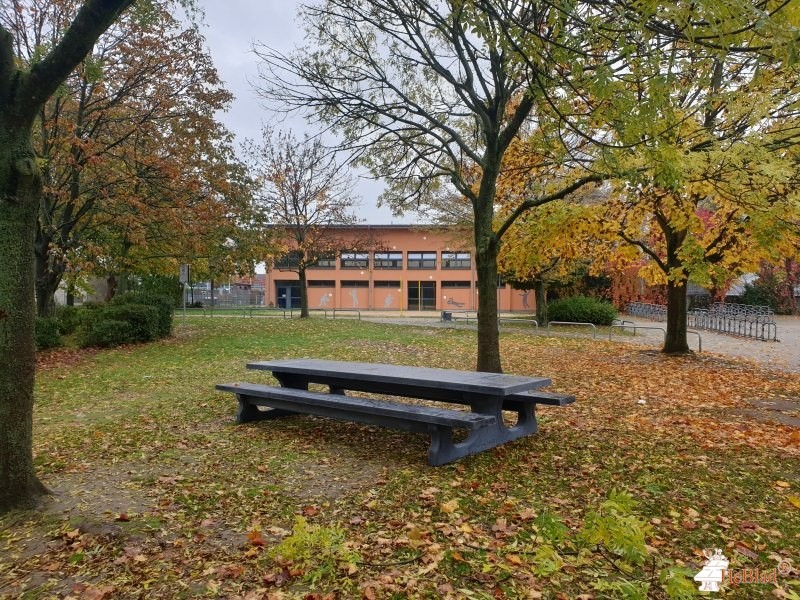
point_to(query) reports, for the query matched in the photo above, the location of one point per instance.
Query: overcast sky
(231, 27)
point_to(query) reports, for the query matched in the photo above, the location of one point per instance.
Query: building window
(290, 260)
(355, 284)
(455, 284)
(326, 261)
(386, 284)
(355, 260)
(422, 260)
(321, 283)
(388, 260)
(456, 260)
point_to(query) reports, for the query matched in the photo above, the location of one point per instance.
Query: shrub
(69, 318)
(143, 319)
(107, 333)
(163, 304)
(48, 334)
(580, 309)
(139, 324)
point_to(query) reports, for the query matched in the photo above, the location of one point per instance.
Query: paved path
(784, 354)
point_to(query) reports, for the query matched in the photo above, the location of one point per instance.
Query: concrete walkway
(783, 354)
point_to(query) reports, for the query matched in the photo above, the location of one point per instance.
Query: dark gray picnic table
(487, 395)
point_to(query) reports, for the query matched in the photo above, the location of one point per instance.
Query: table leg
(443, 450)
(249, 412)
(291, 381)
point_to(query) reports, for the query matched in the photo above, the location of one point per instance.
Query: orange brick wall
(374, 296)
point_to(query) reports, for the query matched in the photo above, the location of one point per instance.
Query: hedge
(107, 333)
(164, 305)
(580, 309)
(48, 333)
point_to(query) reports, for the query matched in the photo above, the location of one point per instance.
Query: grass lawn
(160, 495)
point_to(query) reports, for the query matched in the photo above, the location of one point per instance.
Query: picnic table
(486, 394)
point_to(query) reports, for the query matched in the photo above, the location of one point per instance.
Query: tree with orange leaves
(132, 158)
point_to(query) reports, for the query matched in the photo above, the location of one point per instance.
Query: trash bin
(446, 315)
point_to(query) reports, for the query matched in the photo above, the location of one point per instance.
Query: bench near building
(487, 395)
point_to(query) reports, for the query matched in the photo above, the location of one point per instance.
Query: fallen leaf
(449, 507)
(255, 537)
(748, 553)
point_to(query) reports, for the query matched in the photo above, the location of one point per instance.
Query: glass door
(288, 294)
(421, 295)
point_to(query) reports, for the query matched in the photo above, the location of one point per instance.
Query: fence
(745, 320)
(224, 297)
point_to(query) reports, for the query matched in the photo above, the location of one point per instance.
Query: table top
(495, 384)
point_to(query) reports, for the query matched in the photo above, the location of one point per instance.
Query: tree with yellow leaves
(709, 180)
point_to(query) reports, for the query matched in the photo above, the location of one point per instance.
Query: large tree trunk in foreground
(675, 340)
(22, 95)
(20, 187)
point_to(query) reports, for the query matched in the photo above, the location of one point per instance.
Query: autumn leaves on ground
(159, 494)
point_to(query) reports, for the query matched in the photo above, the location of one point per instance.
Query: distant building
(408, 267)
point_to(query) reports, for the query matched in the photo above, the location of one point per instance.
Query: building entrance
(421, 295)
(288, 294)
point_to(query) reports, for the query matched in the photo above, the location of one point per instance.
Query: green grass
(141, 431)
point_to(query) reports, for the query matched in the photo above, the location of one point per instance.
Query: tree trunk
(486, 247)
(540, 291)
(675, 340)
(22, 95)
(20, 187)
(48, 278)
(301, 272)
(111, 287)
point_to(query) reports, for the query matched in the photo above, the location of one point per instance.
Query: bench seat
(539, 397)
(281, 401)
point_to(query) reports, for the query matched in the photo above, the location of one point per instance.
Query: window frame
(425, 257)
(394, 258)
(283, 263)
(327, 258)
(354, 260)
(456, 260)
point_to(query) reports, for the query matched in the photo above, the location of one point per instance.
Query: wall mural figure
(452, 302)
(389, 301)
(354, 296)
(525, 299)
(323, 301)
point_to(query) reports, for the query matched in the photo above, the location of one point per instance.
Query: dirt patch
(329, 479)
(78, 495)
(91, 501)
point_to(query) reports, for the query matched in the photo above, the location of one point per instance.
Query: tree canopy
(428, 95)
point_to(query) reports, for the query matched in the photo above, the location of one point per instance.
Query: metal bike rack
(594, 329)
